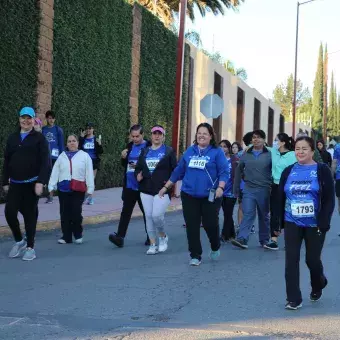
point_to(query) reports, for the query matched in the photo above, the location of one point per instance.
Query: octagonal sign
(212, 106)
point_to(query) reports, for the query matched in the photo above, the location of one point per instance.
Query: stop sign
(212, 106)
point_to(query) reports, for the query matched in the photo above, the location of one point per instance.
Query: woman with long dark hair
(283, 155)
(325, 155)
(203, 170)
(235, 148)
(306, 197)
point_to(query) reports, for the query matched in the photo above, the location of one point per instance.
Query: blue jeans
(256, 199)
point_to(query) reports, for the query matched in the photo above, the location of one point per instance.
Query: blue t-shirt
(89, 147)
(23, 135)
(51, 135)
(302, 195)
(228, 189)
(64, 186)
(154, 156)
(257, 153)
(131, 182)
(336, 156)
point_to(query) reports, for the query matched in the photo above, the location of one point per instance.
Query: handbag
(76, 185)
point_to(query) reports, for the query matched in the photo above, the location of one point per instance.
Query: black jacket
(153, 183)
(125, 161)
(26, 159)
(326, 157)
(97, 148)
(326, 196)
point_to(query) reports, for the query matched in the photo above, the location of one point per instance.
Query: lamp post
(296, 59)
(179, 79)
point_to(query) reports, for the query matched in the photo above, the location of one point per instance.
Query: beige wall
(203, 84)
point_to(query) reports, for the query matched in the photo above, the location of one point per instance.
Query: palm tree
(165, 9)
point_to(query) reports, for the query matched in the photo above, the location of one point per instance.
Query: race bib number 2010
(197, 163)
(305, 209)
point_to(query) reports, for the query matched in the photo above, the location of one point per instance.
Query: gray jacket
(255, 171)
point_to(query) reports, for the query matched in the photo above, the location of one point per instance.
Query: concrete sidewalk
(107, 207)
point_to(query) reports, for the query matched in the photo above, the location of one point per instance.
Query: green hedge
(158, 76)
(92, 72)
(19, 33)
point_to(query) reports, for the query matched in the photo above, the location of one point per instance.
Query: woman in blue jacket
(203, 170)
(306, 198)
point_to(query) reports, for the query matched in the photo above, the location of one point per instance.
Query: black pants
(130, 198)
(196, 210)
(228, 230)
(22, 197)
(314, 240)
(71, 219)
(274, 210)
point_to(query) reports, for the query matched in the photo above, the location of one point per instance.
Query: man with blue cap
(25, 172)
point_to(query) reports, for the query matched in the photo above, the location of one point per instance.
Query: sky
(261, 38)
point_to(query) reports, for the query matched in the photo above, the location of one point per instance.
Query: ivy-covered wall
(19, 33)
(158, 77)
(91, 74)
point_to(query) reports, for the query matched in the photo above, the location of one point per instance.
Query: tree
(318, 94)
(325, 92)
(332, 110)
(239, 72)
(284, 94)
(165, 9)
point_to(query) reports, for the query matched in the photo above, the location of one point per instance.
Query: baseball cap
(89, 124)
(158, 128)
(27, 111)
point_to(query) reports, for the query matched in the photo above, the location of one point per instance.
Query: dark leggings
(228, 230)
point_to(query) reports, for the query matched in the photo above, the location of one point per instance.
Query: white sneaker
(79, 240)
(17, 249)
(61, 241)
(29, 254)
(152, 250)
(163, 244)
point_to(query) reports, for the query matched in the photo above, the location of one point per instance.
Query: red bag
(76, 185)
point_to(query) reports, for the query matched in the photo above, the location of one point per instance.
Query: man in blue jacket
(255, 167)
(55, 138)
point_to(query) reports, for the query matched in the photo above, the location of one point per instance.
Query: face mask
(276, 144)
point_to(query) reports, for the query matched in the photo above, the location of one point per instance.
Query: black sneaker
(240, 243)
(316, 295)
(293, 305)
(223, 239)
(117, 240)
(271, 245)
(252, 230)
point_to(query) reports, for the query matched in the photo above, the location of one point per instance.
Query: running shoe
(195, 262)
(163, 244)
(293, 305)
(116, 240)
(243, 244)
(214, 255)
(29, 254)
(152, 250)
(17, 249)
(271, 245)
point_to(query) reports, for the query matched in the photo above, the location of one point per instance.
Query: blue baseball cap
(27, 111)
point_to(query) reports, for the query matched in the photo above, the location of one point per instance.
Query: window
(282, 123)
(239, 115)
(257, 113)
(270, 126)
(218, 89)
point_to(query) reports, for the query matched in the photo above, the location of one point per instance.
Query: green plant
(91, 75)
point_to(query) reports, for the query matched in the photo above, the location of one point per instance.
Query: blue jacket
(196, 182)
(58, 143)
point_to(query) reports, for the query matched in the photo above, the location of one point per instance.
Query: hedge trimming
(19, 34)
(91, 74)
(158, 76)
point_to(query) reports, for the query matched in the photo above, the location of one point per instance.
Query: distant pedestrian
(55, 137)
(331, 149)
(236, 148)
(203, 170)
(325, 155)
(130, 193)
(255, 169)
(72, 175)
(91, 144)
(25, 172)
(229, 200)
(336, 170)
(154, 167)
(306, 197)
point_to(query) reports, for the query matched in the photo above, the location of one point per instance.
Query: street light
(296, 58)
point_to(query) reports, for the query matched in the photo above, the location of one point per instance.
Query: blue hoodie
(190, 169)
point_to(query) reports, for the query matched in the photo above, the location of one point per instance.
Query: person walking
(283, 155)
(325, 155)
(154, 167)
(306, 197)
(72, 175)
(55, 137)
(336, 170)
(255, 167)
(92, 145)
(130, 193)
(25, 171)
(236, 148)
(229, 200)
(203, 170)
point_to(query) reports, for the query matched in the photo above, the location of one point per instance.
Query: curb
(97, 219)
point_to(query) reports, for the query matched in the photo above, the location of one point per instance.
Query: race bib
(55, 152)
(131, 167)
(89, 146)
(197, 163)
(152, 163)
(305, 209)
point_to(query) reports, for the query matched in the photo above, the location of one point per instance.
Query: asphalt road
(97, 291)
